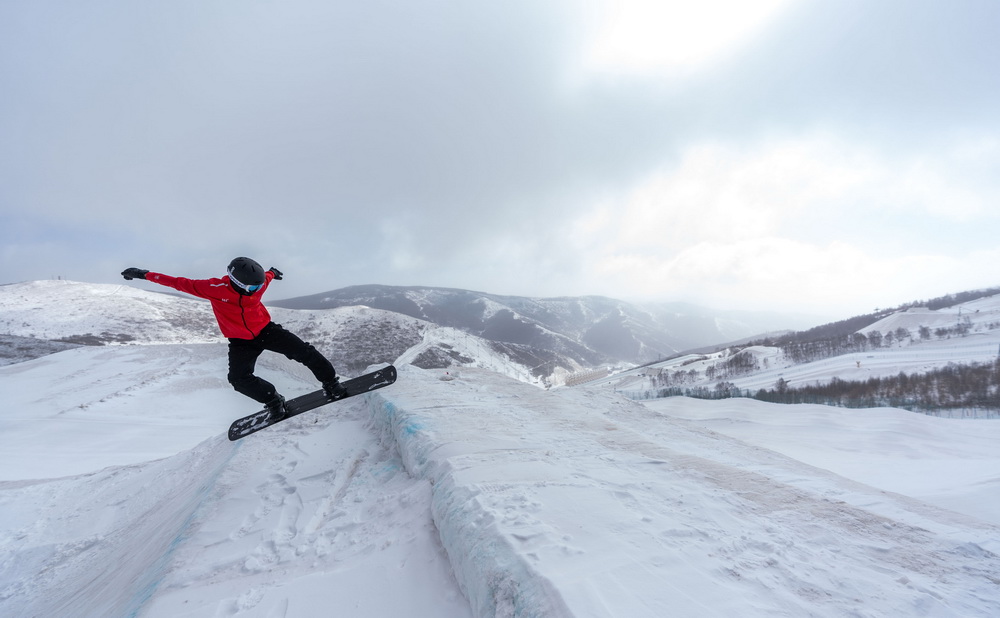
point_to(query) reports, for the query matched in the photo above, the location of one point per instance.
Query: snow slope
(123, 497)
(578, 503)
(470, 494)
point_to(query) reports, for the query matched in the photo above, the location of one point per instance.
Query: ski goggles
(250, 289)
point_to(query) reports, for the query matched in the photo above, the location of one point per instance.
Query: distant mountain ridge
(536, 340)
(591, 329)
(35, 314)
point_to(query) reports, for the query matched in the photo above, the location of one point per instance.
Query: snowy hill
(471, 493)
(591, 330)
(911, 341)
(99, 313)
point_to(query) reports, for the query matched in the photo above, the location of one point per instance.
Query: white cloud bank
(808, 222)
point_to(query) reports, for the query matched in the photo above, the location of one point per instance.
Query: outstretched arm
(195, 287)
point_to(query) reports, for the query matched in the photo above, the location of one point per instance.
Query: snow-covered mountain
(49, 315)
(589, 329)
(98, 314)
(457, 493)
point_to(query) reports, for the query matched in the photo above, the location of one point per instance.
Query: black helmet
(246, 275)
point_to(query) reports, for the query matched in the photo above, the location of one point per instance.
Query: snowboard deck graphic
(355, 386)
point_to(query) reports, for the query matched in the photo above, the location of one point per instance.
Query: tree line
(818, 349)
(972, 385)
(969, 385)
(965, 386)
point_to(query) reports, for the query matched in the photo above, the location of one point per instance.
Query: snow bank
(577, 503)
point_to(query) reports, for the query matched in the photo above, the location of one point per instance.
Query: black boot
(276, 408)
(334, 389)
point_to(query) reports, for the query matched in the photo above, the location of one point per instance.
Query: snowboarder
(236, 301)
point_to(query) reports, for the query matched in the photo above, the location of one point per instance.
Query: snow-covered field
(469, 493)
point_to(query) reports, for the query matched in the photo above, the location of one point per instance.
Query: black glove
(134, 273)
(277, 273)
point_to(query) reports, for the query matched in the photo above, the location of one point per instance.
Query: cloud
(954, 182)
(669, 36)
(469, 145)
(814, 222)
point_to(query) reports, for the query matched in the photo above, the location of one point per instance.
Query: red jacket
(239, 317)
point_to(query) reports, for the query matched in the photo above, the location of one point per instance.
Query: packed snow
(467, 492)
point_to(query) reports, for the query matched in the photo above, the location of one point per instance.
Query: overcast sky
(827, 157)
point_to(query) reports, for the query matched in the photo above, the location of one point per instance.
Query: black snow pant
(243, 355)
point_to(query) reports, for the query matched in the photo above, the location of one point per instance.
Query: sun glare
(673, 36)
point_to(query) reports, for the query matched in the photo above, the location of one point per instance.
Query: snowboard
(355, 386)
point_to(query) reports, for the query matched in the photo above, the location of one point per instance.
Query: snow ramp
(576, 502)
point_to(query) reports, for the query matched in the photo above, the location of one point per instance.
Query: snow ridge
(495, 578)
